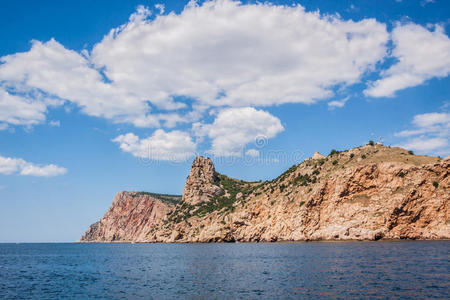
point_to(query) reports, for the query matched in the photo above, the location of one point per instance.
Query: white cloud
(17, 110)
(219, 53)
(19, 166)
(68, 75)
(221, 56)
(337, 103)
(172, 146)
(234, 128)
(421, 54)
(224, 52)
(430, 123)
(9, 165)
(425, 144)
(42, 171)
(160, 7)
(430, 134)
(431, 119)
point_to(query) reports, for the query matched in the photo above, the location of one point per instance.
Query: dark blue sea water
(226, 271)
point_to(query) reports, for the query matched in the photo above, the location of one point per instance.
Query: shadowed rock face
(366, 193)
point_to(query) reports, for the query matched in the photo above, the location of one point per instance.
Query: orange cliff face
(366, 193)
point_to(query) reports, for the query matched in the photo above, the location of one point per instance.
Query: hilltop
(367, 193)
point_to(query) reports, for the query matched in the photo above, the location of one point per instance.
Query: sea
(309, 270)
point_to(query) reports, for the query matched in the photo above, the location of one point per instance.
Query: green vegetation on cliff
(170, 199)
(232, 191)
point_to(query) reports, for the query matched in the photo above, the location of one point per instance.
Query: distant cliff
(131, 216)
(366, 193)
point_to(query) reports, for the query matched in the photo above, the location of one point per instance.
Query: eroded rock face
(131, 217)
(201, 183)
(366, 193)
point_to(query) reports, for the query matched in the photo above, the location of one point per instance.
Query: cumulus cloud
(430, 123)
(421, 54)
(222, 53)
(431, 119)
(227, 53)
(234, 128)
(424, 144)
(19, 110)
(163, 70)
(52, 69)
(430, 133)
(172, 146)
(218, 53)
(19, 166)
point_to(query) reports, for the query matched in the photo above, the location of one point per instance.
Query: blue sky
(97, 97)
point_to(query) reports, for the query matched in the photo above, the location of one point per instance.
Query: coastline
(268, 242)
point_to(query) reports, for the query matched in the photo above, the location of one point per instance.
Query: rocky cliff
(201, 183)
(131, 216)
(367, 193)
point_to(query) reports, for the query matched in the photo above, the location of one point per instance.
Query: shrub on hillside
(333, 152)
